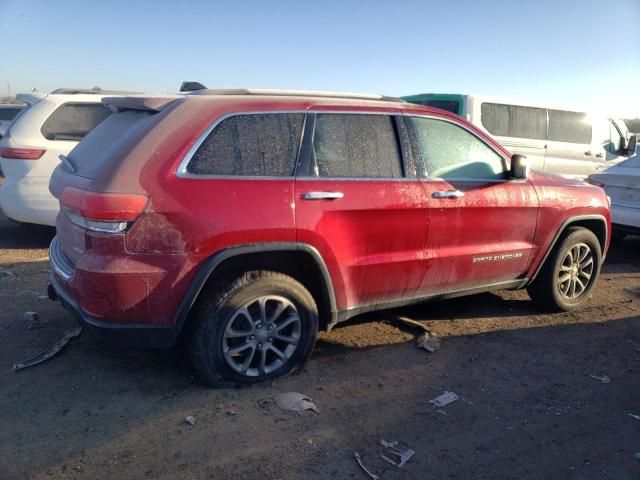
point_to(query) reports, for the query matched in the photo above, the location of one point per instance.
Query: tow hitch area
(64, 337)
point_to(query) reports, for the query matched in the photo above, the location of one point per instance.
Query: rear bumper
(28, 200)
(133, 335)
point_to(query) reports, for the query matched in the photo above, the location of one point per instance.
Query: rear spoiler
(150, 104)
(30, 98)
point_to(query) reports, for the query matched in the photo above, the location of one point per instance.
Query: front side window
(569, 127)
(356, 145)
(250, 145)
(72, 121)
(514, 121)
(451, 152)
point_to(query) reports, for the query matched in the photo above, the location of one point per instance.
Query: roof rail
(294, 93)
(90, 91)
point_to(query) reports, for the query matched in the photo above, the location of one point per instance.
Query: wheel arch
(300, 261)
(597, 224)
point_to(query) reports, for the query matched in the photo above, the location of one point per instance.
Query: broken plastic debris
(637, 417)
(445, 399)
(601, 378)
(63, 338)
(404, 455)
(295, 402)
(359, 460)
(190, 420)
(428, 343)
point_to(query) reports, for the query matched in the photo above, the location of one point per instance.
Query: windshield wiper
(67, 162)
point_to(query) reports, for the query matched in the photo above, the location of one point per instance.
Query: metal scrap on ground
(404, 455)
(428, 343)
(445, 399)
(601, 378)
(359, 460)
(63, 338)
(295, 402)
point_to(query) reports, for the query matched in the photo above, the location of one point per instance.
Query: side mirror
(519, 167)
(631, 145)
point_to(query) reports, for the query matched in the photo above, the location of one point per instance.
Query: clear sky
(562, 51)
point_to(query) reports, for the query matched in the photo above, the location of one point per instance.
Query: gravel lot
(528, 407)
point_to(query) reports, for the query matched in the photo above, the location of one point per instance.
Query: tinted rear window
(9, 113)
(571, 127)
(515, 121)
(250, 145)
(356, 146)
(106, 140)
(72, 121)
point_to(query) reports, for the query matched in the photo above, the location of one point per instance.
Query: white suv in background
(7, 113)
(29, 151)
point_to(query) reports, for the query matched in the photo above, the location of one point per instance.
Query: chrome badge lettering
(496, 258)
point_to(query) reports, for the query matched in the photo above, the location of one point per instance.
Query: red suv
(246, 220)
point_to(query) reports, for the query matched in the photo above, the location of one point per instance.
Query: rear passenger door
(481, 223)
(362, 206)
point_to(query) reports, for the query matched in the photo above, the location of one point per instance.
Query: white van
(567, 142)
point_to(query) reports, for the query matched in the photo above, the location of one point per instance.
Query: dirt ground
(528, 408)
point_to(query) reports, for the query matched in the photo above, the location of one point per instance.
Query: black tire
(546, 290)
(222, 310)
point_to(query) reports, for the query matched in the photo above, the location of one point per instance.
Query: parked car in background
(563, 141)
(7, 113)
(249, 219)
(51, 126)
(622, 184)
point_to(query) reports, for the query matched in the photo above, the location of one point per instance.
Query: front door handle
(588, 153)
(322, 195)
(448, 194)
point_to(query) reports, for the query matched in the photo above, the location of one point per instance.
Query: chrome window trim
(181, 171)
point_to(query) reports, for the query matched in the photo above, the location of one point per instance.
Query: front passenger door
(481, 223)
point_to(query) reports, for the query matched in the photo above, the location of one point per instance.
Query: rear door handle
(448, 194)
(588, 153)
(322, 195)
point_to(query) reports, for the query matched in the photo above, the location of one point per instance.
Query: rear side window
(9, 113)
(356, 145)
(514, 121)
(72, 121)
(250, 145)
(571, 127)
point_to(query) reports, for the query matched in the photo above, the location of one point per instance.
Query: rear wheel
(570, 272)
(260, 326)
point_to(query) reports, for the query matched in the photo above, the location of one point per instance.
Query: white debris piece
(430, 344)
(445, 399)
(404, 455)
(637, 417)
(295, 402)
(601, 378)
(190, 420)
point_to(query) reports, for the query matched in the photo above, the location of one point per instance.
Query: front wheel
(570, 272)
(261, 326)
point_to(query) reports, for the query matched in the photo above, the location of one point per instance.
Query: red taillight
(21, 153)
(102, 212)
